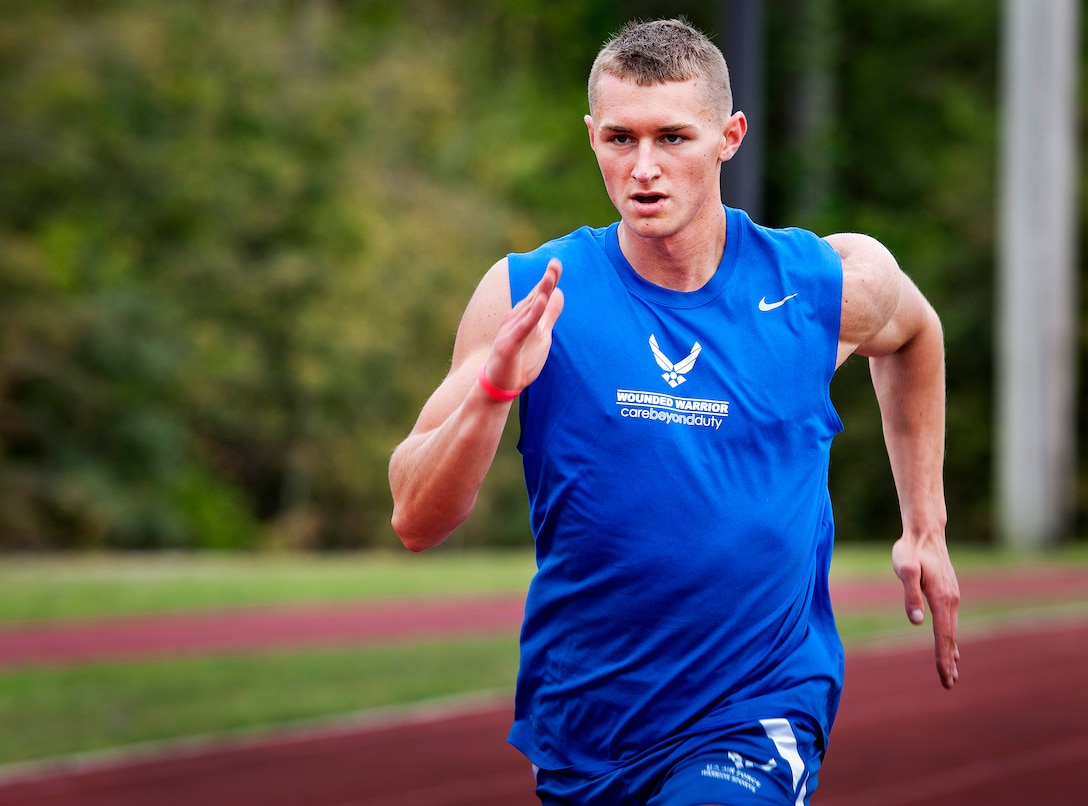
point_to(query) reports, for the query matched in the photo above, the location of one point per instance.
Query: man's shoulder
(789, 239)
(584, 246)
(577, 239)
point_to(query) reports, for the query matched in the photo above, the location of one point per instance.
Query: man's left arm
(886, 318)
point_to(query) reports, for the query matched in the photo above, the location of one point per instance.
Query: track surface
(393, 620)
(1014, 731)
(242, 631)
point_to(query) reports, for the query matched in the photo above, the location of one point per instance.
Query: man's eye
(621, 139)
(673, 139)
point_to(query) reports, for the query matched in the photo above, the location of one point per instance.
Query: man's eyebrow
(671, 128)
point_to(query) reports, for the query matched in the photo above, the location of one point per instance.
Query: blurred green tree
(236, 238)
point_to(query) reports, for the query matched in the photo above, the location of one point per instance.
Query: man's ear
(736, 126)
(592, 132)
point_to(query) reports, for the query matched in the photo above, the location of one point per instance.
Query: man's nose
(646, 166)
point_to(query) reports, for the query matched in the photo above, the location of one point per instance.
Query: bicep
(879, 307)
(912, 315)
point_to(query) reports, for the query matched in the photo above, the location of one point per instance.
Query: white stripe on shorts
(781, 733)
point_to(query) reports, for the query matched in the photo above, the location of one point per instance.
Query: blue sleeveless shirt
(676, 449)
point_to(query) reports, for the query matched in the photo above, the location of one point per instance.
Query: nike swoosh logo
(770, 306)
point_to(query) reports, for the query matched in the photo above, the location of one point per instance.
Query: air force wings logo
(674, 373)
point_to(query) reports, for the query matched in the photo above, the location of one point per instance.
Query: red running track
(202, 633)
(1014, 731)
(391, 620)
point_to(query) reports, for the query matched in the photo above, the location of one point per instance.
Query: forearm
(436, 475)
(910, 388)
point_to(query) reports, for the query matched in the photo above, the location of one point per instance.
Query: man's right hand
(525, 336)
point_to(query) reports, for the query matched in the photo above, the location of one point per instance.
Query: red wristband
(493, 391)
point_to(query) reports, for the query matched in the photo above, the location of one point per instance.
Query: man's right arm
(436, 473)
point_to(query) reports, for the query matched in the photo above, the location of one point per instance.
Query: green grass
(47, 711)
(84, 586)
(853, 559)
(56, 711)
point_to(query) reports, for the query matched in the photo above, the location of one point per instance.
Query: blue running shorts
(772, 762)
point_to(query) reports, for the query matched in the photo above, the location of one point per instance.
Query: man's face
(660, 149)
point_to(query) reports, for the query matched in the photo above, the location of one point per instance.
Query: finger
(555, 301)
(948, 660)
(525, 334)
(945, 609)
(913, 599)
(523, 317)
(554, 270)
(548, 281)
(531, 307)
(547, 288)
(946, 653)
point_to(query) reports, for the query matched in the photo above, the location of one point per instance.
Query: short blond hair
(660, 51)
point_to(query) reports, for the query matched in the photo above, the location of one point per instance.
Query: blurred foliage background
(236, 238)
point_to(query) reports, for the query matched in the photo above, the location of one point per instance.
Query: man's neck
(682, 262)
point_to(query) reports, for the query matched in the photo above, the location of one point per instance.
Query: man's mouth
(648, 198)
